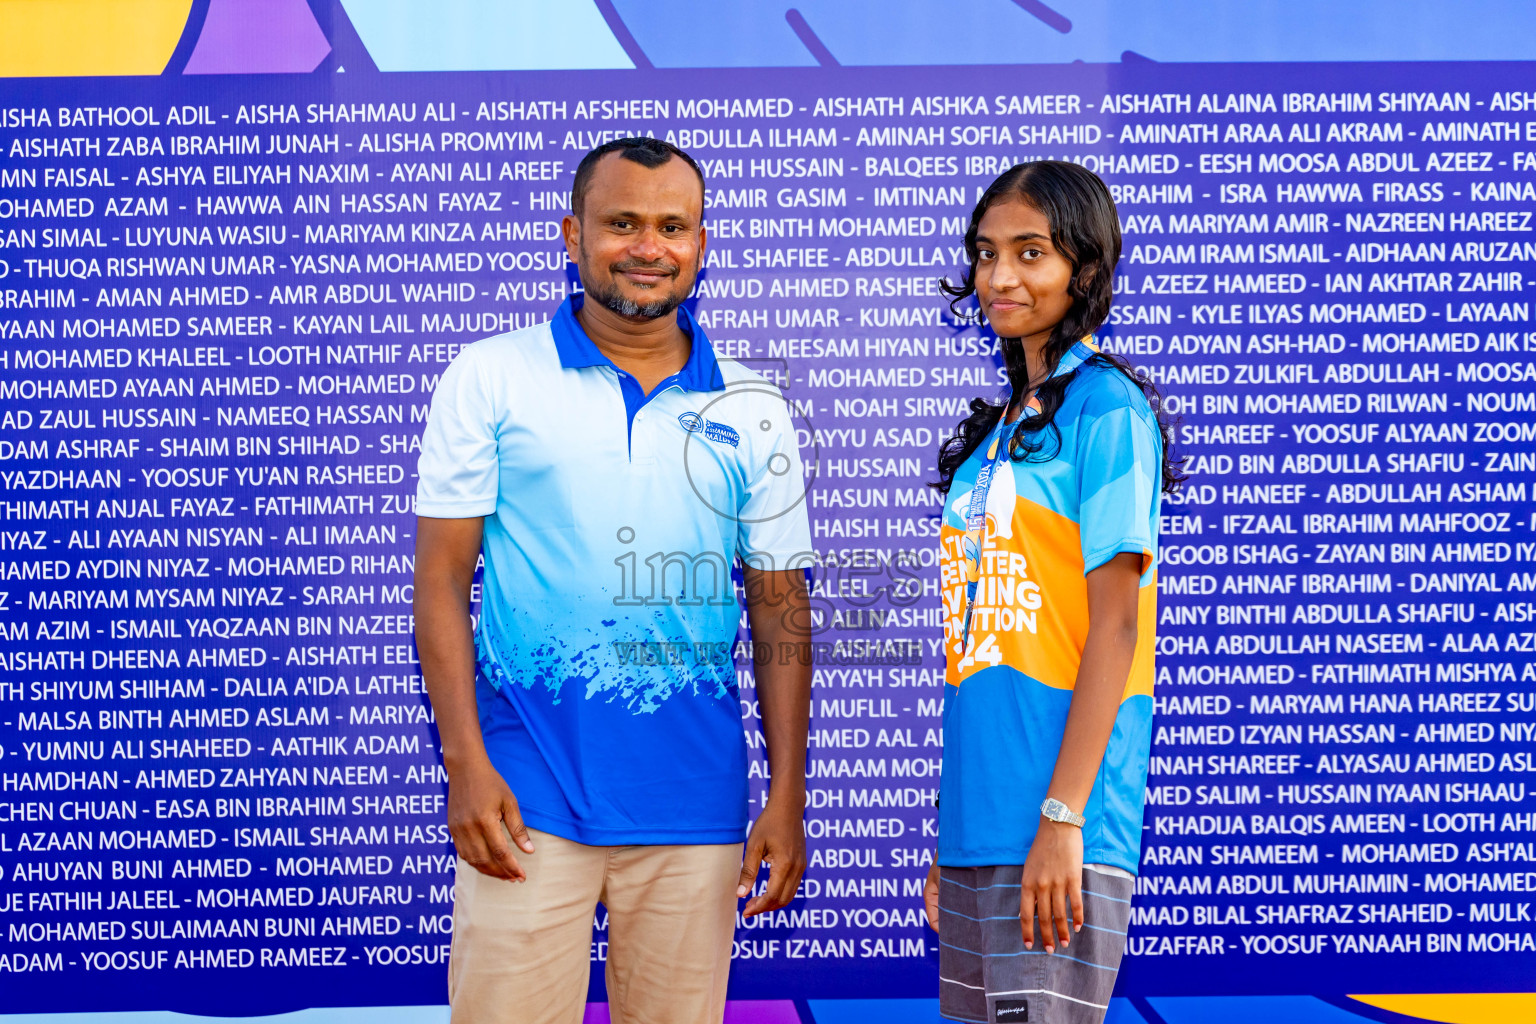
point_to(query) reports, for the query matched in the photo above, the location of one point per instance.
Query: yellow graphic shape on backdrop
(1460, 1007)
(50, 38)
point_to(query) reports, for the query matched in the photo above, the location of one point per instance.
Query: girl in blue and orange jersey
(1048, 574)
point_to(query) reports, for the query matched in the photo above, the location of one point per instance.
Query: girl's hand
(931, 897)
(1053, 885)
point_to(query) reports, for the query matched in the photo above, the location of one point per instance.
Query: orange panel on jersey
(1031, 608)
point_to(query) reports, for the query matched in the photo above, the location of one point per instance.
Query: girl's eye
(985, 254)
(1033, 254)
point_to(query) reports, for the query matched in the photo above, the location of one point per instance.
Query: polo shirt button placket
(645, 452)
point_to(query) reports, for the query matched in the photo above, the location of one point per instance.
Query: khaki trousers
(522, 950)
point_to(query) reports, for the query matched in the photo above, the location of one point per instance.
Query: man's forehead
(616, 179)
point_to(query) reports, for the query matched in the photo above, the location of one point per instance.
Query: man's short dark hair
(646, 152)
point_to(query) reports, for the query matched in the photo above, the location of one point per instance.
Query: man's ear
(570, 231)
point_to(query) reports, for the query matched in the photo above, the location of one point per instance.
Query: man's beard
(629, 308)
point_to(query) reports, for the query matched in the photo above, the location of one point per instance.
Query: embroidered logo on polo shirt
(721, 434)
(716, 432)
(1011, 1009)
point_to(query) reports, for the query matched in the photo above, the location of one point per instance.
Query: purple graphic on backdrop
(258, 36)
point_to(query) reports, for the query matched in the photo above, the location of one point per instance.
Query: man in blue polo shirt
(613, 471)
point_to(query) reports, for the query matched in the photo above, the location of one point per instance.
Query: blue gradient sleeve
(1118, 472)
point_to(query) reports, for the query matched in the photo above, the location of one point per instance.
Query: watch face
(1055, 810)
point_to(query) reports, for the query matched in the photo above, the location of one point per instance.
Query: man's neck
(648, 350)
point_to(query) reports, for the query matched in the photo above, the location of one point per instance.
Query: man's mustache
(660, 266)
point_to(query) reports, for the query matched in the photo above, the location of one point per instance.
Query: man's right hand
(482, 812)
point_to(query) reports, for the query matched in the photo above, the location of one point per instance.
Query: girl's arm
(1053, 872)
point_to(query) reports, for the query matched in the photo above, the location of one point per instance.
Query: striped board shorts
(986, 974)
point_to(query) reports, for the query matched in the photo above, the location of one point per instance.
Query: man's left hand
(778, 837)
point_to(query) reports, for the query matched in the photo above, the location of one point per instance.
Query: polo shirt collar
(576, 350)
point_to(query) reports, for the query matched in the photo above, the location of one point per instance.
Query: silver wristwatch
(1055, 810)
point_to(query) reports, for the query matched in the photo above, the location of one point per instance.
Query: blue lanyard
(976, 516)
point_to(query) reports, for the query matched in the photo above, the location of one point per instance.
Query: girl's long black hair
(1086, 230)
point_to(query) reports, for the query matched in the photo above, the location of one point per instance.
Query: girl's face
(1021, 279)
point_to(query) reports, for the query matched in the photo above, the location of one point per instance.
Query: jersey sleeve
(457, 474)
(1119, 473)
(775, 525)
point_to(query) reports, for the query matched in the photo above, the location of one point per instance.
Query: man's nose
(647, 245)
